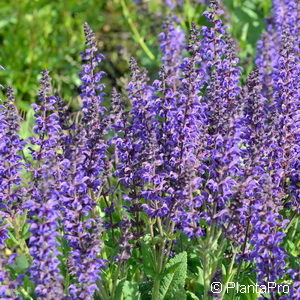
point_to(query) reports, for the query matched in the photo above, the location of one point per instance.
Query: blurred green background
(37, 34)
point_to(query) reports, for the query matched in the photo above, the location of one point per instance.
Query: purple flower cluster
(222, 152)
(192, 153)
(277, 166)
(211, 151)
(44, 196)
(133, 148)
(11, 194)
(172, 45)
(81, 179)
(11, 147)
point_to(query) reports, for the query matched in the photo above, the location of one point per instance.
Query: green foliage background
(37, 34)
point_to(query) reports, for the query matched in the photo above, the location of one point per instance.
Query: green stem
(169, 245)
(189, 12)
(115, 281)
(24, 292)
(110, 219)
(206, 276)
(211, 256)
(155, 291)
(159, 269)
(291, 221)
(102, 292)
(135, 31)
(159, 262)
(152, 239)
(229, 275)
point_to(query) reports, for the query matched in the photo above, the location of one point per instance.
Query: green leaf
(13, 238)
(174, 277)
(21, 263)
(252, 14)
(119, 290)
(192, 296)
(131, 290)
(224, 270)
(293, 249)
(148, 261)
(25, 231)
(200, 278)
(249, 296)
(245, 32)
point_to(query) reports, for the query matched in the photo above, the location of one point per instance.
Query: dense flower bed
(184, 181)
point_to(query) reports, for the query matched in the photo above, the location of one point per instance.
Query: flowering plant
(182, 182)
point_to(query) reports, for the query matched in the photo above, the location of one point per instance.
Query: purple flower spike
(82, 171)
(44, 195)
